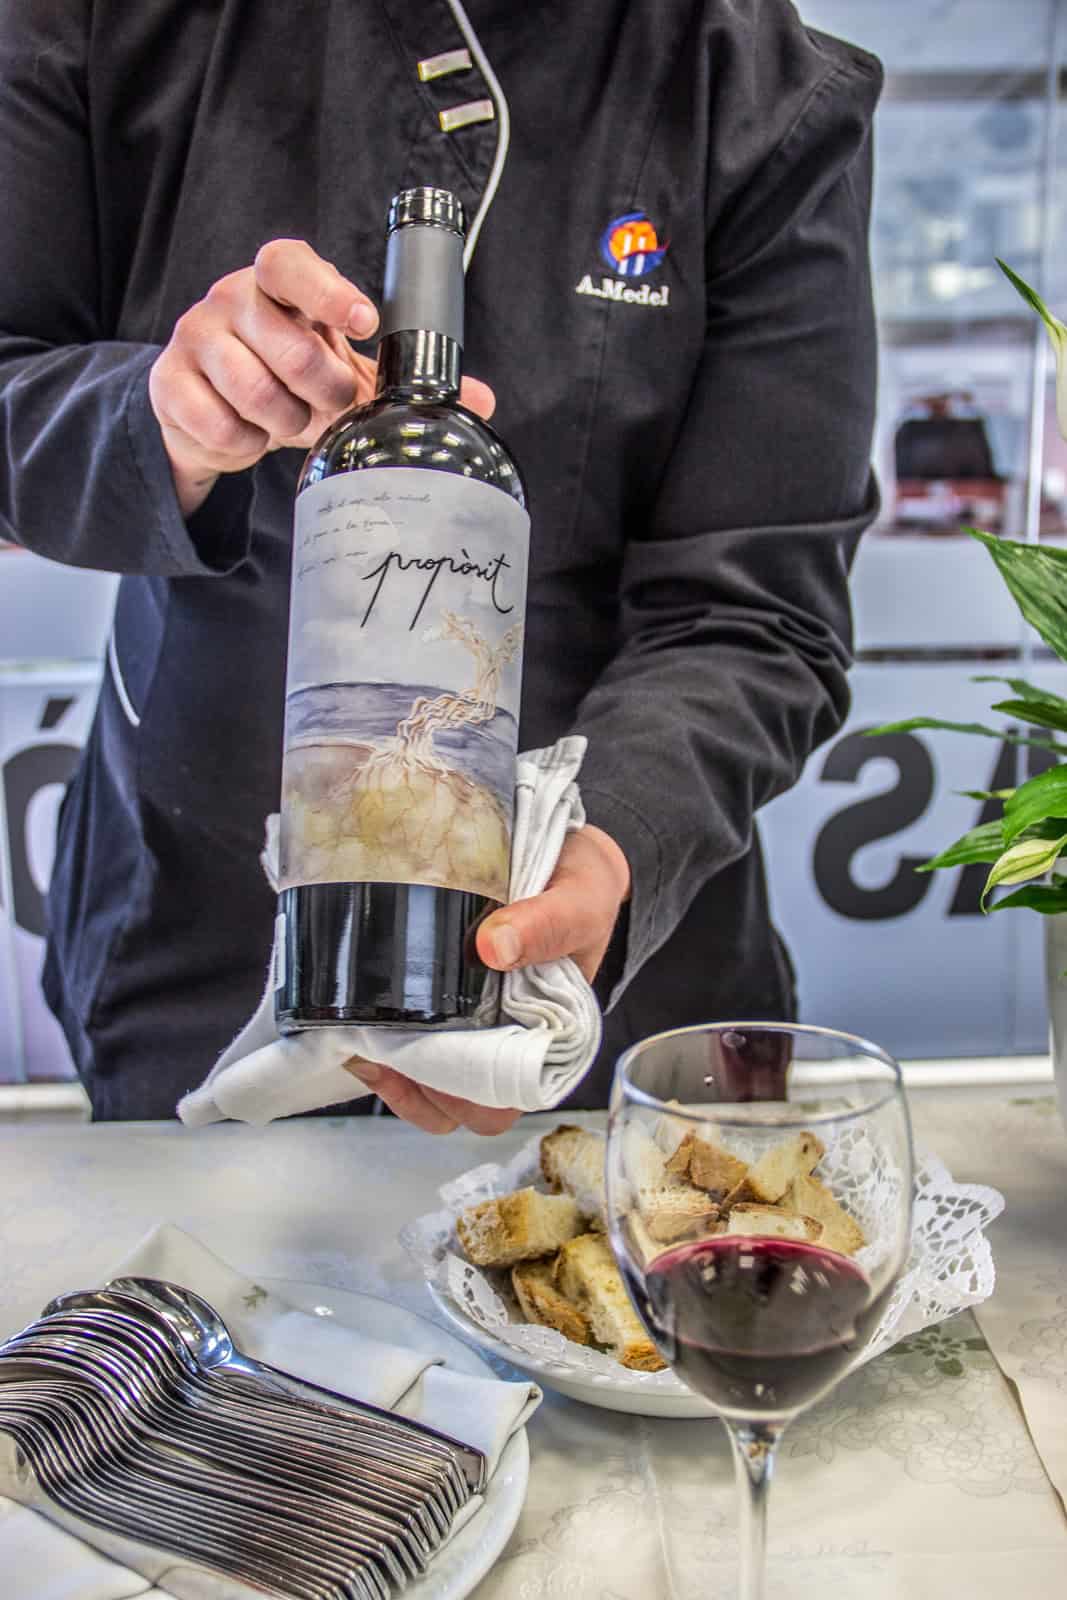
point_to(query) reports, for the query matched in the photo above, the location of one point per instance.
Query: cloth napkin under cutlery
(530, 1062)
(41, 1561)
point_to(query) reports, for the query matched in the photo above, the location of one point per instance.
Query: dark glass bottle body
(379, 953)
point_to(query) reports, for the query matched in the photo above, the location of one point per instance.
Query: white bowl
(628, 1391)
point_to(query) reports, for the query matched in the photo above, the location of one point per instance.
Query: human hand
(429, 1109)
(574, 915)
(263, 361)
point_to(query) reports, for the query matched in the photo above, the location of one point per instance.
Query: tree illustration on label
(423, 792)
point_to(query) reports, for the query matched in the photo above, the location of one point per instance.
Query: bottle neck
(419, 364)
(420, 350)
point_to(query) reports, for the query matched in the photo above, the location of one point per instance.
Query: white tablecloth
(919, 1477)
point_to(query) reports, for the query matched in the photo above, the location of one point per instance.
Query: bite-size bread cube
(517, 1227)
(671, 1214)
(771, 1222)
(671, 1208)
(707, 1165)
(767, 1180)
(572, 1161)
(587, 1274)
(840, 1230)
(541, 1301)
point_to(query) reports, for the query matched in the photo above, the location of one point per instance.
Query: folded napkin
(42, 1561)
(529, 1063)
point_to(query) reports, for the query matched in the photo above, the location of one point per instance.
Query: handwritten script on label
(395, 561)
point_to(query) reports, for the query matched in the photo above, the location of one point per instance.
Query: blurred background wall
(971, 163)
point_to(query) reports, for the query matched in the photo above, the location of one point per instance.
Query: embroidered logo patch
(630, 246)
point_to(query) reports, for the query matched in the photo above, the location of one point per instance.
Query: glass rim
(708, 1113)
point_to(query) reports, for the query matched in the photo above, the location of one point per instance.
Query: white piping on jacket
(120, 684)
(503, 118)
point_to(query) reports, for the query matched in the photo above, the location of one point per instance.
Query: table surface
(928, 1473)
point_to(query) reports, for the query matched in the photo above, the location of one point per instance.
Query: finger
(256, 393)
(564, 920)
(189, 406)
(487, 1120)
(403, 1097)
(293, 274)
(478, 397)
(307, 364)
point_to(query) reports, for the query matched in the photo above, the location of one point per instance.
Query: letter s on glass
(876, 817)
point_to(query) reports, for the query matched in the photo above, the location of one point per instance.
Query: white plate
(467, 1558)
(625, 1392)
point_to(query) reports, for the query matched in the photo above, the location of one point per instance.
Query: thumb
(477, 396)
(561, 921)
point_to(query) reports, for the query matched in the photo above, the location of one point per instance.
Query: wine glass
(759, 1184)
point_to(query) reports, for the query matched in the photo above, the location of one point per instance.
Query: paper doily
(950, 1267)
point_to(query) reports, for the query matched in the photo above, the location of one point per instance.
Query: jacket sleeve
(84, 477)
(735, 631)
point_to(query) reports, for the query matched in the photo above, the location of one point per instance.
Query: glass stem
(754, 1444)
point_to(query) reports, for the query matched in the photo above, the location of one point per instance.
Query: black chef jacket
(697, 455)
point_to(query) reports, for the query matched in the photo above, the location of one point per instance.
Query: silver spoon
(148, 1455)
(108, 1505)
(208, 1339)
(378, 1461)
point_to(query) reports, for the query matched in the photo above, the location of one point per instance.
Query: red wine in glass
(758, 1326)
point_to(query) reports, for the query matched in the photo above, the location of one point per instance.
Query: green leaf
(1053, 324)
(984, 794)
(1048, 828)
(1020, 687)
(1029, 858)
(984, 843)
(1036, 575)
(1034, 801)
(1057, 333)
(1046, 713)
(1050, 901)
(911, 723)
(950, 1367)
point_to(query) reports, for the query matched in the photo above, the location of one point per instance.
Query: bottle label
(407, 613)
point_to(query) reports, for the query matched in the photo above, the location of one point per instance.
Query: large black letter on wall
(875, 818)
(27, 772)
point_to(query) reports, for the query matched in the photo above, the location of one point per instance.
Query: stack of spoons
(135, 1413)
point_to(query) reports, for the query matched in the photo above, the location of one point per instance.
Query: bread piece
(642, 1244)
(677, 1163)
(770, 1222)
(664, 1128)
(517, 1227)
(670, 1207)
(770, 1177)
(708, 1166)
(840, 1231)
(572, 1160)
(676, 1213)
(541, 1301)
(587, 1274)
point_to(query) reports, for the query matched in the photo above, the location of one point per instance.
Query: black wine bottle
(407, 611)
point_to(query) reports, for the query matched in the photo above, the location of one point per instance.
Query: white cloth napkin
(41, 1561)
(530, 1063)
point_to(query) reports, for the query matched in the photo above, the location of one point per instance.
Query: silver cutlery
(133, 1412)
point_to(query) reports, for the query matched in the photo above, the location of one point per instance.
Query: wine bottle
(407, 610)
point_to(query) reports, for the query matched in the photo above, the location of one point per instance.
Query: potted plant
(1024, 844)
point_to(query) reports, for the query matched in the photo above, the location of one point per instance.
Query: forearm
(699, 721)
(84, 478)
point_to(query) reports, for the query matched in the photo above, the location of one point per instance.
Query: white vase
(1056, 978)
